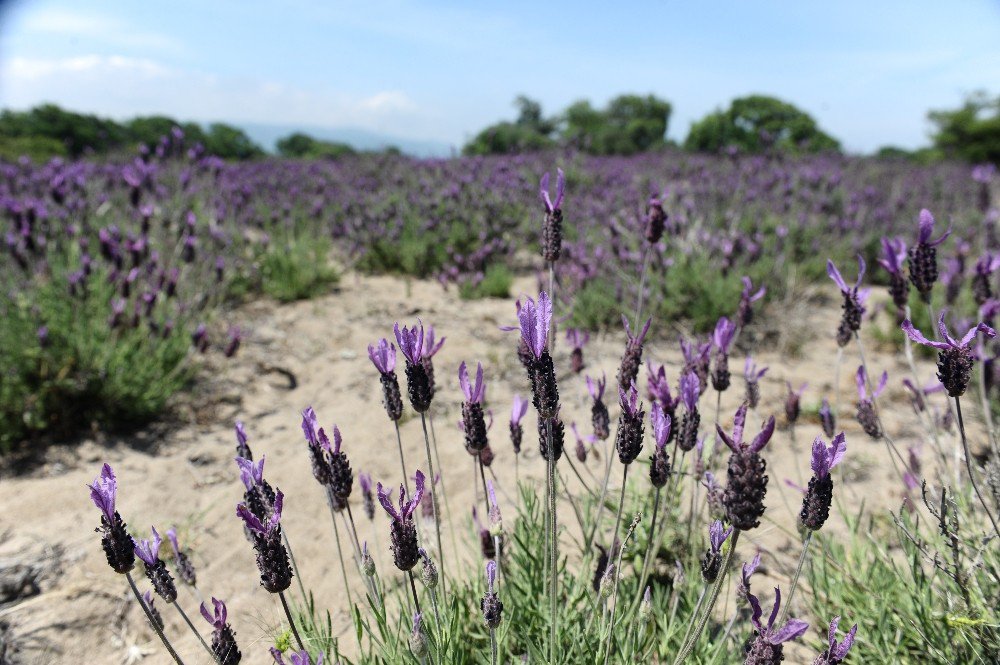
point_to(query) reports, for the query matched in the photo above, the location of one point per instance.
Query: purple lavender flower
(722, 337)
(766, 646)
(517, 411)
(534, 319)
(418, 641)
(632, 358)
(147, 597)
(402, 530)
(836, 652)
(893, 255)
(922, 257)
(827, 418)
(418, 387)
(854, 300)
(628, 439)
(955, 357)
(696, 359)
(156, 570)
(867, 417)
(185, 569)
(986, 265)
(118, 545)
(490, 604)
(234, 339)
(383, 356)
(792, 402)
(819, 494)
(296, 657)
(577, 339)
(744, 313)
(752, 376)
(552, 227)
(656, 219)
(223, 638)
(272, 557)
(473, 420)
(711, 563)
(744, 496)
(599, 417)
(690, 390)
(581, 448)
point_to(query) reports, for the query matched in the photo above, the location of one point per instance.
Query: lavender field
(764, 431)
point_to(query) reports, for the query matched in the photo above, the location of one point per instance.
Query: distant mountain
(360, 139)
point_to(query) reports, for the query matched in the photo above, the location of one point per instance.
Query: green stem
(194, 630)
(340, 555)
(434, 503)
(795, 577)
(291, 622)
(649, 544)
(152, 621)
(402, 460)
(968, 466)
(553, 544)
(687, 648)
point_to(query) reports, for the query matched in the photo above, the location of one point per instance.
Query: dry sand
(185, 474)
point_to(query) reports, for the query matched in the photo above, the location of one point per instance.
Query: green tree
(303, 145)
(971, 132)
(758, 123)
(629, 124)
(529, 133)
(230, 142)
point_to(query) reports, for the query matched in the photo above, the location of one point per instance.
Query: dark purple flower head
(717, 536)
(927, 230)
(534, 320)
(517, 411)
(430, 346)
(629, 401)
(383, 356)
(543, 191)
(149, 550)
(950, 342)
(893, 255)
(255, 524)
(103, 492)
(251, 473)
(661, 424)
(596, 388)
(750, 371)
(837, 652)
(725, 330)
(474, 393)
(410, 341)
(823, 458)
(793, 629)
(736, 443)
(859, 380)
(406, 508)
(834, 274)
(690, 390)
(218, 615)
(577, 338)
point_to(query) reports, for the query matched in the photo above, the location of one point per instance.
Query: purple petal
(543, 192)
(560, 188)
(463, 381)
(763, 437)
(795, 628)
(838, 448)
(918, 337)
(859, 381)
(757, 612)
(834, 274)
(386, 501)
(250, 519)
(819, 463)
(845, 646)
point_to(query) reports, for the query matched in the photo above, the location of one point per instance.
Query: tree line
(754, 124)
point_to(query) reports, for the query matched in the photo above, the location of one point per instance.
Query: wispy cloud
(97, 29)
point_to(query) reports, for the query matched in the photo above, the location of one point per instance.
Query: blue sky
(868, 71)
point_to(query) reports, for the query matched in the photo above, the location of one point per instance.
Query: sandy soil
(185, 475)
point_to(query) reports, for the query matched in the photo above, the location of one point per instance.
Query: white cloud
(99, 30)
(122, 86)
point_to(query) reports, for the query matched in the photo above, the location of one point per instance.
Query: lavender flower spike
(836, 652)
(853, 306)
(185, 569)
(403, 532)
(835, 275)
(744, 495)
(117, 544)
(223, 638)
(383, 356)
(242, 445)
(767, 644)
(744, 314)
(955, 357)
(156, 569)
(474, 393)
(893, 255)
(922, 257)
(867, 417)
(926, 230)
